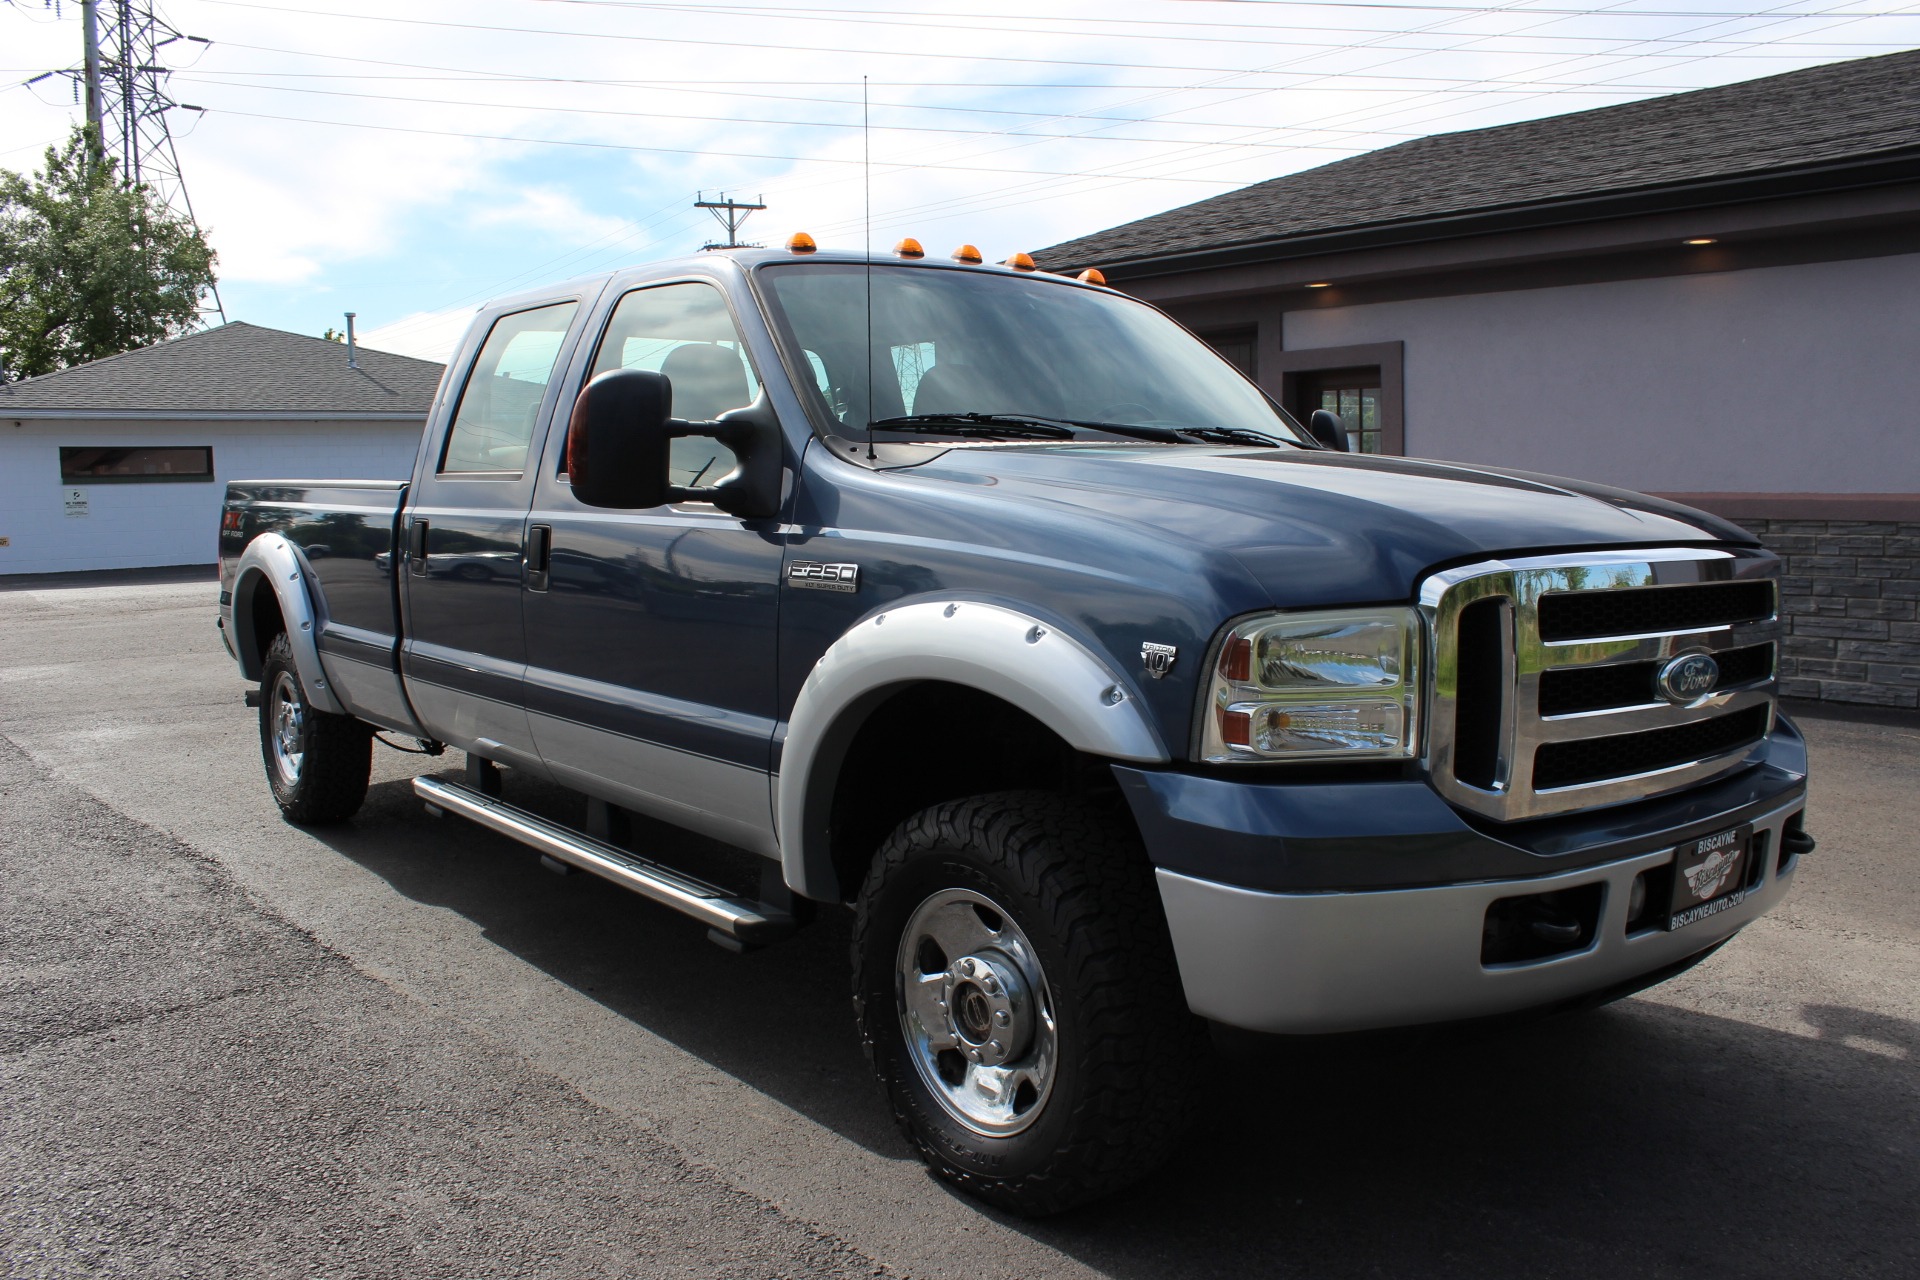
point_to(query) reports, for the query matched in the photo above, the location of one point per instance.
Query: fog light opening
(1541, 926)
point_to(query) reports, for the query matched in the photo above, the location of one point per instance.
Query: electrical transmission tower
(730, 214)
(125, 86)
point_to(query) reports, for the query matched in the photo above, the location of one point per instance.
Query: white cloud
(550, 211)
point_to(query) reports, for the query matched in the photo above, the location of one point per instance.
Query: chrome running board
(744, 922)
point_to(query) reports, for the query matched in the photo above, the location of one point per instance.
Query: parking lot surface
(401, 1048)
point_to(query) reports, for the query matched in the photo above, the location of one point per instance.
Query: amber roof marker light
(1092, 275)
(909, 248)
(1321, 284)
(1020, 262)
(801, 242)
(1700, 240)
(968, 254)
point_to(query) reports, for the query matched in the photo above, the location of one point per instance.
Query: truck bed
(347, 530)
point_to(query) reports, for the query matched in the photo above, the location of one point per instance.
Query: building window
(124, 464)
(1363, 383)
(1354, 394)
(1236, 346)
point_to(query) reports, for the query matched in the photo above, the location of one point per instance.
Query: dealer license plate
(1709, 876)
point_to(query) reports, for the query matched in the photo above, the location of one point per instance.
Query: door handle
(417, 548)
(539, 553)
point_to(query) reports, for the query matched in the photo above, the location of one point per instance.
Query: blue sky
(337, 165)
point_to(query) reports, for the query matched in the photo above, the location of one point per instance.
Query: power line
(810, 49)
(793, 124)
(1569, 13)
(917, 20)
(675, 151)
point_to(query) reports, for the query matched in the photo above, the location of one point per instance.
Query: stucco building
(121, 463)
(1712, 295)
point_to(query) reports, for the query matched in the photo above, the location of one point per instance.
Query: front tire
(1018, 999)
(317, 764)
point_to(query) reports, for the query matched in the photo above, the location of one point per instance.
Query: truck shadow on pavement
(1640, 1139)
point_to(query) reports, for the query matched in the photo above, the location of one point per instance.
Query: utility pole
(90, 27)
(730, 214)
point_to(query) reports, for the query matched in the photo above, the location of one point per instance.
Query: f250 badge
(815, 576)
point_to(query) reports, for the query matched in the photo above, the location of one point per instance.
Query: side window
(685, 332)
(493, 426)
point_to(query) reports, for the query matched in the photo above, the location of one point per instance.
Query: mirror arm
(751, 490)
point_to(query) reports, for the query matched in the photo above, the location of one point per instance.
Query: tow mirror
(619, 442)
(1326, 427)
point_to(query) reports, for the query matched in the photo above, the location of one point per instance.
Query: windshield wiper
(1005, 426)
(1174, 435)
(1039, 426)
(1230, 435)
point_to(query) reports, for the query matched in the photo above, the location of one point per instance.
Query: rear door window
(493, 426)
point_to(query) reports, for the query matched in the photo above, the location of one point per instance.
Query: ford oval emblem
(1689, 677)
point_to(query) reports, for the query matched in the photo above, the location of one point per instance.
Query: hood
(1317, 527)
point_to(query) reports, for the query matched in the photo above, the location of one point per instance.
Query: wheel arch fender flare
(273, 563)
(1025, 661)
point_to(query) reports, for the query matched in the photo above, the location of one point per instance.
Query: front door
(466, 647)
(650, 677)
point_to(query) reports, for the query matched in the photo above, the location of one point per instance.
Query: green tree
(90, 267)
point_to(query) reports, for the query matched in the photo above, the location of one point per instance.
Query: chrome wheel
(976, 1012)
(287, 728)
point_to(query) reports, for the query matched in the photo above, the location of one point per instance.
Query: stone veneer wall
(1851, 596)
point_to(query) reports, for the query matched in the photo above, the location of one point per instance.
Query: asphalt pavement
(401, 1048)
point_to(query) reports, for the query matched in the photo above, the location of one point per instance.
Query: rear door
(651, 671)
(465, 653)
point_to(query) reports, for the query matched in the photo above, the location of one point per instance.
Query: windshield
(968, 342)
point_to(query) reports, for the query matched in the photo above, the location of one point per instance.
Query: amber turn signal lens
(967, 253)
(1021, 262)
(1092, 276)
(801, 242)
(1236, 727)
(909, 248)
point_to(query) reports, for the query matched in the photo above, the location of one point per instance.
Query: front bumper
(1334, 907)
(1321, 962)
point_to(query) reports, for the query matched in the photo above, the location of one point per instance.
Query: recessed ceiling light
(1321, 284)
(1700, 240)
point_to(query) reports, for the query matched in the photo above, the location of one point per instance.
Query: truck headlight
(1340, 685)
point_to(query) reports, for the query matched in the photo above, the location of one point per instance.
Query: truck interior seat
(708, 380)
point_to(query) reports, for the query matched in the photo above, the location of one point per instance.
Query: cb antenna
(866, 182)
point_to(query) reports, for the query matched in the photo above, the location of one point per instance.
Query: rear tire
(1053, 1060)
(317, 764)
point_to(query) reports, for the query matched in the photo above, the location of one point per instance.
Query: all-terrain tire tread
(339, 756)
(1142, 1053)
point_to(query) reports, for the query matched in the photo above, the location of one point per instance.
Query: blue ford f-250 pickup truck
(998, 606)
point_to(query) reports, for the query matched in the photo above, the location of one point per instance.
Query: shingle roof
(1842, 110)
(236, 368)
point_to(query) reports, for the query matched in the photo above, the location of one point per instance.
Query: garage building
(1712, 295)
(122, 463)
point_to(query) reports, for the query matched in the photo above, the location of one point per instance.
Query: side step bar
(743, 922)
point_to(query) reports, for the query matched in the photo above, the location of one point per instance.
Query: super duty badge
(823, 577)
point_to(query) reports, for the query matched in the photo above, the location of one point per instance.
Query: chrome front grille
(1544, 676)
